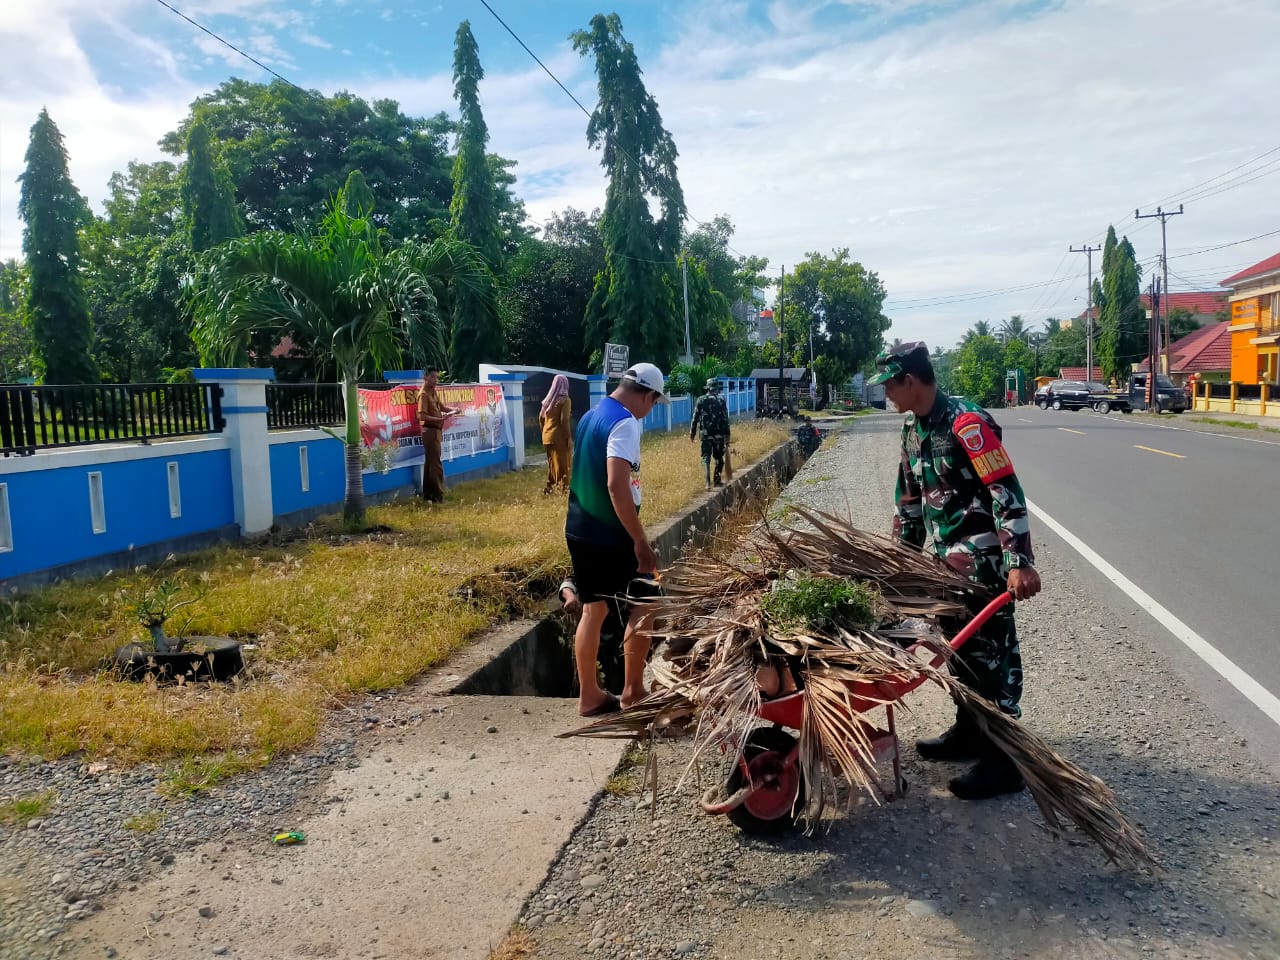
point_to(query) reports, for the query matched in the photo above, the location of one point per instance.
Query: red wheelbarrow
(766, 790)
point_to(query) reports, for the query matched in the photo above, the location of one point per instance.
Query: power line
(230, 45)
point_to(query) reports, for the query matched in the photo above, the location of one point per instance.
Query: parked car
(1170, 398)
(1067, 394)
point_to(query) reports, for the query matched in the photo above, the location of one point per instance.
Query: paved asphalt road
(1190, 519)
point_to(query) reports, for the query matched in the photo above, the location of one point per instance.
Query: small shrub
(823, 603)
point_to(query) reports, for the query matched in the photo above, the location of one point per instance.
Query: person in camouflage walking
(712, 416)
(956, 487)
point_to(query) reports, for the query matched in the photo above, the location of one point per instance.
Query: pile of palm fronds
(718, 631)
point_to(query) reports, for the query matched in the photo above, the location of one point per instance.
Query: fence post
(513, 398)
(1264, 396)
(598, 388)
(244, 408)
(1234, 390)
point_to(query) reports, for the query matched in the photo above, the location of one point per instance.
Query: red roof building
(1077, 373)
(1202, 305)
(1201, 353)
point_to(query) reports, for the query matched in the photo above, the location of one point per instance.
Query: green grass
(147, 822)
(331, 615)
(19, 811)
(1236, 424)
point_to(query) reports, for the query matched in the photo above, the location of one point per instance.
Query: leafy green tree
(979, 370)
(288, 151)
(1181, 323)
(712, 327)
(634, 300)
(548, 285)
(16, 345)
(944, 363)
(53, 211)
(842, 303)
(135, 257)
(208, 199)
(1065, 348)
(477, 329)
(1123, 336)
(343, 294)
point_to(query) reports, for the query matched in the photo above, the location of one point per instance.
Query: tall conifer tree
(634, 301)
(477, 330)
(208, 197)
(53, 211)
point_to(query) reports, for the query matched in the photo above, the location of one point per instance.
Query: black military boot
(961, 741)
(992, 776)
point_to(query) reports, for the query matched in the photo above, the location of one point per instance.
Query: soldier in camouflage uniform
(712, 416)
(956, 487)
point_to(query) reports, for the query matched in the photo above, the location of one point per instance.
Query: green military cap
(713, 384)
(901, 359)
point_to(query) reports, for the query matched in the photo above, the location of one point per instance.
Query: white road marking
(1025, 420)
(1163, 426)
(1251, 689)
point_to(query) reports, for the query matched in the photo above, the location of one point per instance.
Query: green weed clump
(823, 603)
(19, 811)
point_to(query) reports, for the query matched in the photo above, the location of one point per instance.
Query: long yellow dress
(557, 437)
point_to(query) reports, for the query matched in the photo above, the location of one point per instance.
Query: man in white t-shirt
(611, 555)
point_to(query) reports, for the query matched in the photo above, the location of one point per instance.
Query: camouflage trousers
(990, 664)
(713, 449)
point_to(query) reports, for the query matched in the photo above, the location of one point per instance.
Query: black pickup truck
(1170, 398)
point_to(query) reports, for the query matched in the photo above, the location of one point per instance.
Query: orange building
(1254, 294)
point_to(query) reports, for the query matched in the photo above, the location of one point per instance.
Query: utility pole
(1164, 215)
(1088, 251)
(684, 274)
(1153, 344)
(782, 338)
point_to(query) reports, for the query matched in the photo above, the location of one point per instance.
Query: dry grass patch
(330, 614)
(516, 945)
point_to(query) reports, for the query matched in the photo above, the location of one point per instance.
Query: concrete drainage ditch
(535, 657)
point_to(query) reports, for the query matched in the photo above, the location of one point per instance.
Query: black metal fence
(1249, 391)
(1220, 391)
(34, 418)
(304, 405)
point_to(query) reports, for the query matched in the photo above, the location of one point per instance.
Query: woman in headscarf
(557, 433)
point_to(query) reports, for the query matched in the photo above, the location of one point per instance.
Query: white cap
(648, 376)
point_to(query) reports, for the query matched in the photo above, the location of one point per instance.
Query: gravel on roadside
(931, 876)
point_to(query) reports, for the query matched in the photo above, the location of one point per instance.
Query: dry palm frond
(716, 634)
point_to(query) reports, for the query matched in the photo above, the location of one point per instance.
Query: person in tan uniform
(557, 433)
(432, 414)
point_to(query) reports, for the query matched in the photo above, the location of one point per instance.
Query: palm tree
(980, 329)
(358, 304)
(1013, 329)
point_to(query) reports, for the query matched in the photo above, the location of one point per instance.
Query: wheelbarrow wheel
(779, 790)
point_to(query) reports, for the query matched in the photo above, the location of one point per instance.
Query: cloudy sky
(956, 148)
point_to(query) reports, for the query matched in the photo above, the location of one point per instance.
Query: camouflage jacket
(956, 485)
(712, 415)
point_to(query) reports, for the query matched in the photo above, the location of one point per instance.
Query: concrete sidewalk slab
(426, 849)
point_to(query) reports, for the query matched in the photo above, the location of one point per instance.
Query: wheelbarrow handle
(985, 614)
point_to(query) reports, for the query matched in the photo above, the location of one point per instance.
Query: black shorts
(609, 572)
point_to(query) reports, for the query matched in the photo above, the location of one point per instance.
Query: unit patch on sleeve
(983, 447)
